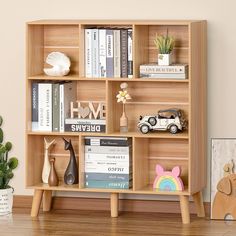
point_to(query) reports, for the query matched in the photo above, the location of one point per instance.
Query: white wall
(221, 19)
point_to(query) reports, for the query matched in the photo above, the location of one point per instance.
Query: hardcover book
(95, 54)
(56, 107)
(108, 141)
(164, 76)
(116, 53)
(130, 53)
(107, 149)
(108, 177)
(110, 54)
(108, 184)
(102, 53)
(34, 101)
(94, 128)
(88, 53)
(124, 52)
(156, 69)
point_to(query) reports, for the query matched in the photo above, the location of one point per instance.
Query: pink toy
(168, 180)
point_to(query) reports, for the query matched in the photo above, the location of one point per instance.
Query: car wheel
(144, 129)
(152, 121)
(173, 129)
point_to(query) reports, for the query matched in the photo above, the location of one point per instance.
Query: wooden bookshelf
(186, 149)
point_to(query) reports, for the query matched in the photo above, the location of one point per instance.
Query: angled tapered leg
(47, 200)
(114, 204)
(198, 200)
(38, 194)
(184, 206)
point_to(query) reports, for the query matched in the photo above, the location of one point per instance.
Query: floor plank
(91, 223)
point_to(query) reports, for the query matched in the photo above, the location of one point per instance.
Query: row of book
(51, 109)
(174, 71)
(108, 53)
(108, 162)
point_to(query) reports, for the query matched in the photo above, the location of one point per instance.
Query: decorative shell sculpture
(60, 64)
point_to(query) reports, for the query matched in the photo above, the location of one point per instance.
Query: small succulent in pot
(165, 45)
(7, 165)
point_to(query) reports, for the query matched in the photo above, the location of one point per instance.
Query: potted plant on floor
(164, 45)
(7, 165)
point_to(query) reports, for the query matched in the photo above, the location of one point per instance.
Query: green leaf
(2, 149)
(1, 135)
(1, 120)
(8, 146)
(13, 163)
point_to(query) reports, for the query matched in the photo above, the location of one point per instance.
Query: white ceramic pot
(164, 59)
(6, 201)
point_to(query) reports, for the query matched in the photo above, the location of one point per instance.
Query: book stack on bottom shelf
(108, 162)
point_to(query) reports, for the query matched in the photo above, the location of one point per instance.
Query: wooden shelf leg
(198, 200)
(184, 206)
(38, 194)
(47, 200)
(114, 204)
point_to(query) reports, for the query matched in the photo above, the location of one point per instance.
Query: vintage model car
(170, 119)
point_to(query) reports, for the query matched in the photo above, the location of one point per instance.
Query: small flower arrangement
(122, 97)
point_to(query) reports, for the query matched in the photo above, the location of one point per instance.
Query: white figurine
(60, 64)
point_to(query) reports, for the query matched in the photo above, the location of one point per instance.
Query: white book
(164, 76)
(118, 158)
(67, 95)
(102, 52)
(88, 53)
(154, 68)
(95, 54)
(71, 121)
(107, 150)
(45, 107)
(108, 169)
(130, 53)
(116, 35)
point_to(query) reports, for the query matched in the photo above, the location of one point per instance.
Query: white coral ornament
(60, 64)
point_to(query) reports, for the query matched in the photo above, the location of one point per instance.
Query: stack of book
(108, 162)
(174, 71)
(108, 53)
(51, 105)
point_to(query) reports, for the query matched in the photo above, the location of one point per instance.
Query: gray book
(56, 107)
(109, 53)
(108, 177)
(124, 52)
(108, 149)
(35, 107)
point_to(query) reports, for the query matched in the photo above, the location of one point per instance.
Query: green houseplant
(164, 45)
(7, 165)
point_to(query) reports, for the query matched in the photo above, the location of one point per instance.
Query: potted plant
(165, 45)
(7, 165)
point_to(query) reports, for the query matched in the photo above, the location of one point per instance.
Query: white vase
(6, 201)
(164, 59)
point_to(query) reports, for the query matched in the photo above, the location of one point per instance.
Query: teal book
(108, 184)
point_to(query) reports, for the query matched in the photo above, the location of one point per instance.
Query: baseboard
(103, 204)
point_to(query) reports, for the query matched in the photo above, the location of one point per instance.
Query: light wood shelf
(185, 149)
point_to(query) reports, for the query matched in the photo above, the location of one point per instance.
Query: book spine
(124, 52)
(107, 142)
(107, 163)
(56, 107)
(108, 184)
(62, 125)
(94, 128)
(109, 53)
(91, 168)
(108, 177)
(45, 107)
(164, 76)
(107, 150)
(102, 53)
(155, 69)
(88, 52)
(130, 53)
(119, 158)
(95, 54)
(116, 53)
(35, 107)
(75, 121)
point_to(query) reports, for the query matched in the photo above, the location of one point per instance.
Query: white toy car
(170, 119)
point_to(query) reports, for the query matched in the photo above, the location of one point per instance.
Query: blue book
(108, 184)
(108, 177)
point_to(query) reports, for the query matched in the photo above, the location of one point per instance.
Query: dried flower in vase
(123, 96)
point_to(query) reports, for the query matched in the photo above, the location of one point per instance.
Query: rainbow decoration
(168, 180)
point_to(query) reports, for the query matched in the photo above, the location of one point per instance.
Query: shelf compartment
(35, 157)
(144, 47)
(148, 152)
(44, 39)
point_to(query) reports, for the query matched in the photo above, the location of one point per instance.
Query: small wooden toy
(168, 180)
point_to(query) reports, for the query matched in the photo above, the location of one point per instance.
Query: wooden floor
(69, 222)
